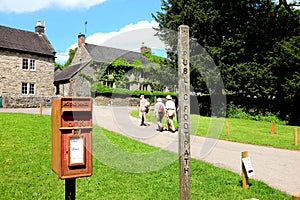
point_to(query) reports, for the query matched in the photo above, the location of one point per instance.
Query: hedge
(100, 89)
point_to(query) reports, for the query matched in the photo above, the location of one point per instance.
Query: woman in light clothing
(143, 109)
(171, 113)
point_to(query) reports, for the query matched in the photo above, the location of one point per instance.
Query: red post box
(72, 137)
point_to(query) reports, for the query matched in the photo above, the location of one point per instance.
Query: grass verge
(25, 144)
(241, 130)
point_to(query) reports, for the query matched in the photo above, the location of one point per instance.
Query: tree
(246, 40)
(71, 56)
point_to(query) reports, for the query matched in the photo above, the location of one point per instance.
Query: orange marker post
(273, 128)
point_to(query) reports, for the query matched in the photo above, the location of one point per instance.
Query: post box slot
(76, 119)
(75, 127)
(76, 109)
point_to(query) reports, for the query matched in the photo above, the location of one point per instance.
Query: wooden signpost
(184, 112)
(247, 169)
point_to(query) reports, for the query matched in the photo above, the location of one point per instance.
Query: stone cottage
(77, 78)
(27, 67)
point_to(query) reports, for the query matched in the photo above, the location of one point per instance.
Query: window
(28, 64)
(32, 64)
(28, 88)
(25, 63)
(31, 88)
(24, 88)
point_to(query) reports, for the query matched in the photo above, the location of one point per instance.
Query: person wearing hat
(143, 109)
(171, 113)
(159, 111)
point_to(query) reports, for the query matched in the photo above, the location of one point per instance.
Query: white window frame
(28, 88)
(25, 65)
(28, 64)
(32, 64)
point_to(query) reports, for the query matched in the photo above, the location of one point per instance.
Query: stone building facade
(76, 79)
(26, 68)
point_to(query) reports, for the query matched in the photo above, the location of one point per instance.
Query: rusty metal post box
(72, 137)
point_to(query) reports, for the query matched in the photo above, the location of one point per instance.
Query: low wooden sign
(248, 166)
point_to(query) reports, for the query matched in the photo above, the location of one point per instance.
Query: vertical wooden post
(296, 196)
(295, 137)
(184, 112)
(227, 128)
(245, 181)
(70, 189)
(41, 109)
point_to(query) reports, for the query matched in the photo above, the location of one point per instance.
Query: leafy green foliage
(154, 58)
(101, 89)
(158, 74)
(238, 112)
(69, 61)
(255, 45)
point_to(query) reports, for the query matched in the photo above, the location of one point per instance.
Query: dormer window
(28, 64)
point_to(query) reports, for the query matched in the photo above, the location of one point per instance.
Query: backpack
(161, 109)
(147, 106)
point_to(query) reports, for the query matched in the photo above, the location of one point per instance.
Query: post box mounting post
(70, 189)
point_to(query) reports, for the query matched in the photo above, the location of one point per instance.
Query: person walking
(143, 110)
(159, 111)
(171, 113)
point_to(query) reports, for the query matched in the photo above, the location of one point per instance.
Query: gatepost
(184, 112)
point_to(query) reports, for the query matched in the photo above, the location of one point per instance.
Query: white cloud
(129, 37)
(25, 6)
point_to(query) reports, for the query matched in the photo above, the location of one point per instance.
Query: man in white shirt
(159, 111)
(171, 113)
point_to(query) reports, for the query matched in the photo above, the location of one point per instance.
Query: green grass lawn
(241, 130)
(25, 168)
(252, 132)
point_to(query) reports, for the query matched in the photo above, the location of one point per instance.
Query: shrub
(238, 112)
(101, 89)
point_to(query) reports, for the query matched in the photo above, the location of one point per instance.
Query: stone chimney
(40, 29)
(81, 39)
(144, 48)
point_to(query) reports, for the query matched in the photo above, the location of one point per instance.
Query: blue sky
(65, 19)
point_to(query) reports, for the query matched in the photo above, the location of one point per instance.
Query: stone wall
(81, 55)
(105, 101)
(80, 85)
(12, 76)
(26, 102)
(34, 101)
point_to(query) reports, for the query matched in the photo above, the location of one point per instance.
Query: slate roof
(108, 54)
(101, 54)
(69, 72)
(26, 41)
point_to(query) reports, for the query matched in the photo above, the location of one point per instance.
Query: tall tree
(251, 41)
